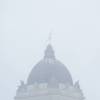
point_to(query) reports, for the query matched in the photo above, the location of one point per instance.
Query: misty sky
(24, 29)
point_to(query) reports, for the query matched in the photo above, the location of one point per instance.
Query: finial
(77, 85)
(50, 37)
(49, 53)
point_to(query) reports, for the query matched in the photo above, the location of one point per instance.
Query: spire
(50, 38)
(49, 52)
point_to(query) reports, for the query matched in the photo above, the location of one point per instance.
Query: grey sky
(24, 30)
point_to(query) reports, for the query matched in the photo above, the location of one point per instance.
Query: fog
(24, 29)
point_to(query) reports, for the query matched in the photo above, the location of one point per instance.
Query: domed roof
(50, 69)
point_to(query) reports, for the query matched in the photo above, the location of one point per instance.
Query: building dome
(50, 70)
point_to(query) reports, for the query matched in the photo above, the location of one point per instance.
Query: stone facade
(43, 92)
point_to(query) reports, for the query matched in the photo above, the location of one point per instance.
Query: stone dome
(49, 70)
